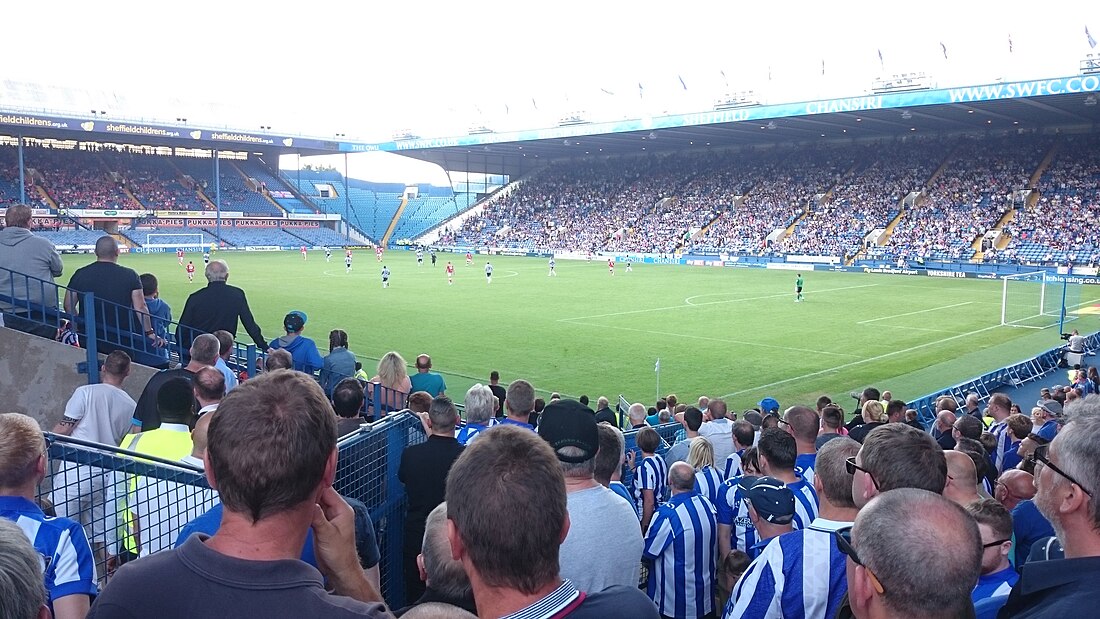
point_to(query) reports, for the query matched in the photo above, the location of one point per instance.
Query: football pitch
(735, 333)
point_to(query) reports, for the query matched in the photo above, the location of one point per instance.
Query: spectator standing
(771, 509)
(803, 424)
(225, 349)
(832, 425)
(744, 435)
(427, 380)
(802, 574)
(302, 349)
(121, 314)
(160, 312)
(218, 306)
(995, 528)
(208, 386)
(31, 256)
(22, 594)
(70, 575)
(708, 480)
(480, 407)
(444, 579)
(892, 569)
(691, 419)
(605, 413)
(498, 391)
(649, 475)
(204, 353)
(962, 480)
(681, 545)
(1067, 496)
(609, 463)
(339, 363)
(873, 416)
(777, 459)
(896, 456)
(519, 403)
(999, 408)
(719, 429)
(515, 569)
(272, 457)
(604, 546)
(423, 471)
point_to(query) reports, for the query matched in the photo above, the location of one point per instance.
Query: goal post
(185, 241)
(1038, 300)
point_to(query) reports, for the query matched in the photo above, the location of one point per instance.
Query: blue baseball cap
(771, 498)
(294, 321)
(769, 405)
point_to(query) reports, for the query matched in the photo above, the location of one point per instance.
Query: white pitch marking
(855, 363)
(686, 304)
(923, 311)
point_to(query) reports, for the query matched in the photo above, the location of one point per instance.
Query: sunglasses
(843, 539)
(997, 543)
(1042, 454)
(851, 466)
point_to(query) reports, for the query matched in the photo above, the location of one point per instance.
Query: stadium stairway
(266, 195)
(46, 197)
(133, 198)
(393, 222)
(939, 171)
(1033, 182)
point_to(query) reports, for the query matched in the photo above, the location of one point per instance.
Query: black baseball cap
(568, 423)
(771, 498)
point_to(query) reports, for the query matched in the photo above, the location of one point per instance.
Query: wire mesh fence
(133, 505)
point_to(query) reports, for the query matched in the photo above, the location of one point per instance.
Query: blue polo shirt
(429, 381)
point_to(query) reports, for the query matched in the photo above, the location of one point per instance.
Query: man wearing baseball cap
(771, 508)
(604, 544)
(1051, 411)
(302, 349)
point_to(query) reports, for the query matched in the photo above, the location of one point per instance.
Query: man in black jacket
(218, 306)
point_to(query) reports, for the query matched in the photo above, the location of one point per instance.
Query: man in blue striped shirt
(649, 475)
(70, 576)
(681, 545)
(480, 404)
(744, 435)
(803, 424)
(999, 408)
(802, 573)
(771, 509)
(778, 452)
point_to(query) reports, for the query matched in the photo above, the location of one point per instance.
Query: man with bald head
(219, 306)
(942, 429)
(893, 570)
(1015, 490)
(209, 387)
(896, 456)
(962, 479)
(204, 353)
(122, 320)
(681, 544)
(803, 424)
(719, 430)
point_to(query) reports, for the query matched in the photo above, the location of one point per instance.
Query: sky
(368, 70)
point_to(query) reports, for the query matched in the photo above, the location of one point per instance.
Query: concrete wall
(37, 376)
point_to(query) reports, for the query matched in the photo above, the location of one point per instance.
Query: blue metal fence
(99, 485)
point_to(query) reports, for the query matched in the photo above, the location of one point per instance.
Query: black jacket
(218, 306)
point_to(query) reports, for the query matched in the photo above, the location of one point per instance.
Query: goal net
(1038, 300)
(185, 241)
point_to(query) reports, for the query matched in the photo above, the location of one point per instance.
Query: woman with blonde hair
(707, 478)
(393, 376)
(874, 415)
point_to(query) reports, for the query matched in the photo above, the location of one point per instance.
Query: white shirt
(104, 413)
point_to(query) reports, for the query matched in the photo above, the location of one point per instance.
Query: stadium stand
(155, 182)
(76, 179)
(66, 239)
(236, 195)
(319, 236)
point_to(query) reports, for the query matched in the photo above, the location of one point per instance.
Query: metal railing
(32, 305)
(133, 505)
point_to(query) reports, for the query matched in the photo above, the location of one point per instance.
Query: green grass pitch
(736, 333)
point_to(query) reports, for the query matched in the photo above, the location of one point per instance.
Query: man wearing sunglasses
(893, 568)
(1066, 475)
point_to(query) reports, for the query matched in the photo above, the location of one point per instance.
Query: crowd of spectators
(1059, 227)
(769, 512)
(74, 179)
(977, 186)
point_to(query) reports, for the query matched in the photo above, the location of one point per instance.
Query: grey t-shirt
(678, 452)
(604, 545)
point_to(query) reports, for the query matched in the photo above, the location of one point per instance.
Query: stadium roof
(1067, 103)
(1055, 103)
